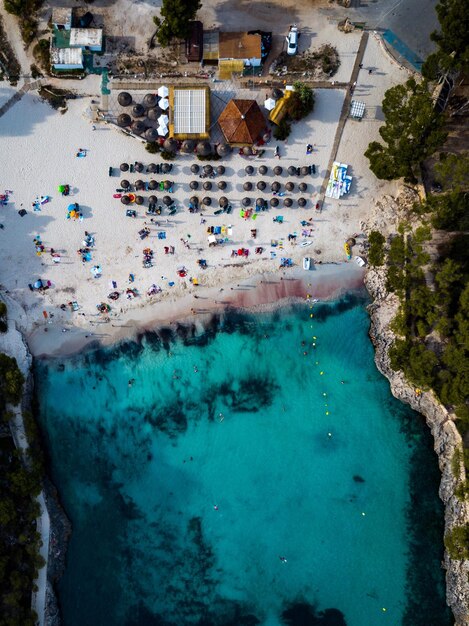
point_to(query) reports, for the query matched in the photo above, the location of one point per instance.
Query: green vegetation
(176, 16)
(152, 148)
(447, 211)
(167, 155)
(301, 102)
(25, 11)
(41, 53)
(57, 98)
(3, 317)
(452, 40)
(19, 539)
(457, 542)
(413, 130)
(282, 131)
(453, 171)
(376, 252)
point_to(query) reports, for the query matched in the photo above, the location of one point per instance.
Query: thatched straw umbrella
(287, 202)
(124, 167)
(260, 202)
(194, 200)
(278, 169)
(167, 200)
(276, 93)
(124, 99)
(188, 146)
(302, 202)
(223, 201)
(221, 184)
(247, 186)
(304, 170)
(153, 184)
(261, 185)
(139, 200)
(152, 200)
(246, 201)
(151, 134)
(274, 202)
(138, 127)
(208, 169)
(139, 167)
(125, 200)
(292, 171)
(170, 144)
(275, 186)
(303, 187)
(220, 170)
(263, 170)
(223, 149)
(194, 184)
(204, 148)
(167, 184)
(247, 151)
(124, 120)
(150, 100)
(207, 185)
(195, 168)
(138, 110)
(154, 113)
(290, 186)
(207, 201)
(125, 184)
(249, 170)
(152, 168)
(139, 184)
(165, 168)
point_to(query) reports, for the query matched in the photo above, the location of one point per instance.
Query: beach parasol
(263, 170)
(207, 185)
(125, 200)
(125, 184)
(204, 148)
(292, 170)
(195, 168)
(170, 144)
(220, 170)
(287, 202)
(261, 185)
(302, 202)
(249, 169)
(260, 202)
(269, 104)
(247, 186)
(188, 146)
(152, 200)
(290, 186)
(167, 200)
(165, 168)
(223, 201)
(276, 93)
(278, 169)
(153, 184)
(149, 100)
(164, 104)
(124, 99)
(194, 184)
(162, 131)
(154, 113)
(207, 201)
(194, 200)
(305, 170)
(163, 120)
(246, 201)
(138, 110)
(275, 186)
(247, 151)
(163, 91)
(221, 184)
(208, 169)
(139, 167)
(223, 149)
(151, 134)
(274, 202)
(124, 120)
(152, 168)
(139, 200)
(124, 167)
(138, 127)
(167, 184)
(303, 187)
(139, 184)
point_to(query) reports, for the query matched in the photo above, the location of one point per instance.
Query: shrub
(167, 155)
(152, 148)
(457, 542)
(3, 317)
(282, 131)
(376, 253)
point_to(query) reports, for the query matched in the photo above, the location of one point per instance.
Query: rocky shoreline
(441, 423)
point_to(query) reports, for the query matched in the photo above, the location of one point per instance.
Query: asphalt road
(411, 20)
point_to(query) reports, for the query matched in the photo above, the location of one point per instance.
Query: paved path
(28, 86)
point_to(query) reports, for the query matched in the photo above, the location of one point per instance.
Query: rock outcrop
(446, 436)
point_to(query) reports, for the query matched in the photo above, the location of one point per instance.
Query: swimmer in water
(195, 369)
(215, 506)
(221, 417)
(131, 382)
(283, 559)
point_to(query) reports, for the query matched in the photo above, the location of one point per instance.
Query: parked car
(292, 40)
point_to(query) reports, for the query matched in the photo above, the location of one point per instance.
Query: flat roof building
(240, 46)
(189, 112)
(67, 58)
(62, 18)
(91, 38)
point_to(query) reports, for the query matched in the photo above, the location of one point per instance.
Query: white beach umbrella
(162, 131)
(163, 120)
(269, 104)
(163, 104)
(163, 92)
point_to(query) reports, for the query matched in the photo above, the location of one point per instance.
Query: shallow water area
(212, 478)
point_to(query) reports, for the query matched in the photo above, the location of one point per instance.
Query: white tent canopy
(162, 131)
(163, 104)
(163, 91)
(163, 120)
(269, 104)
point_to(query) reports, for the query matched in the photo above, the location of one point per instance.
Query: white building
(67, 58)
(62, 18)
(89, 38)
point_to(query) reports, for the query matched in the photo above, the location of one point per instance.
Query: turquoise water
(260, 465)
